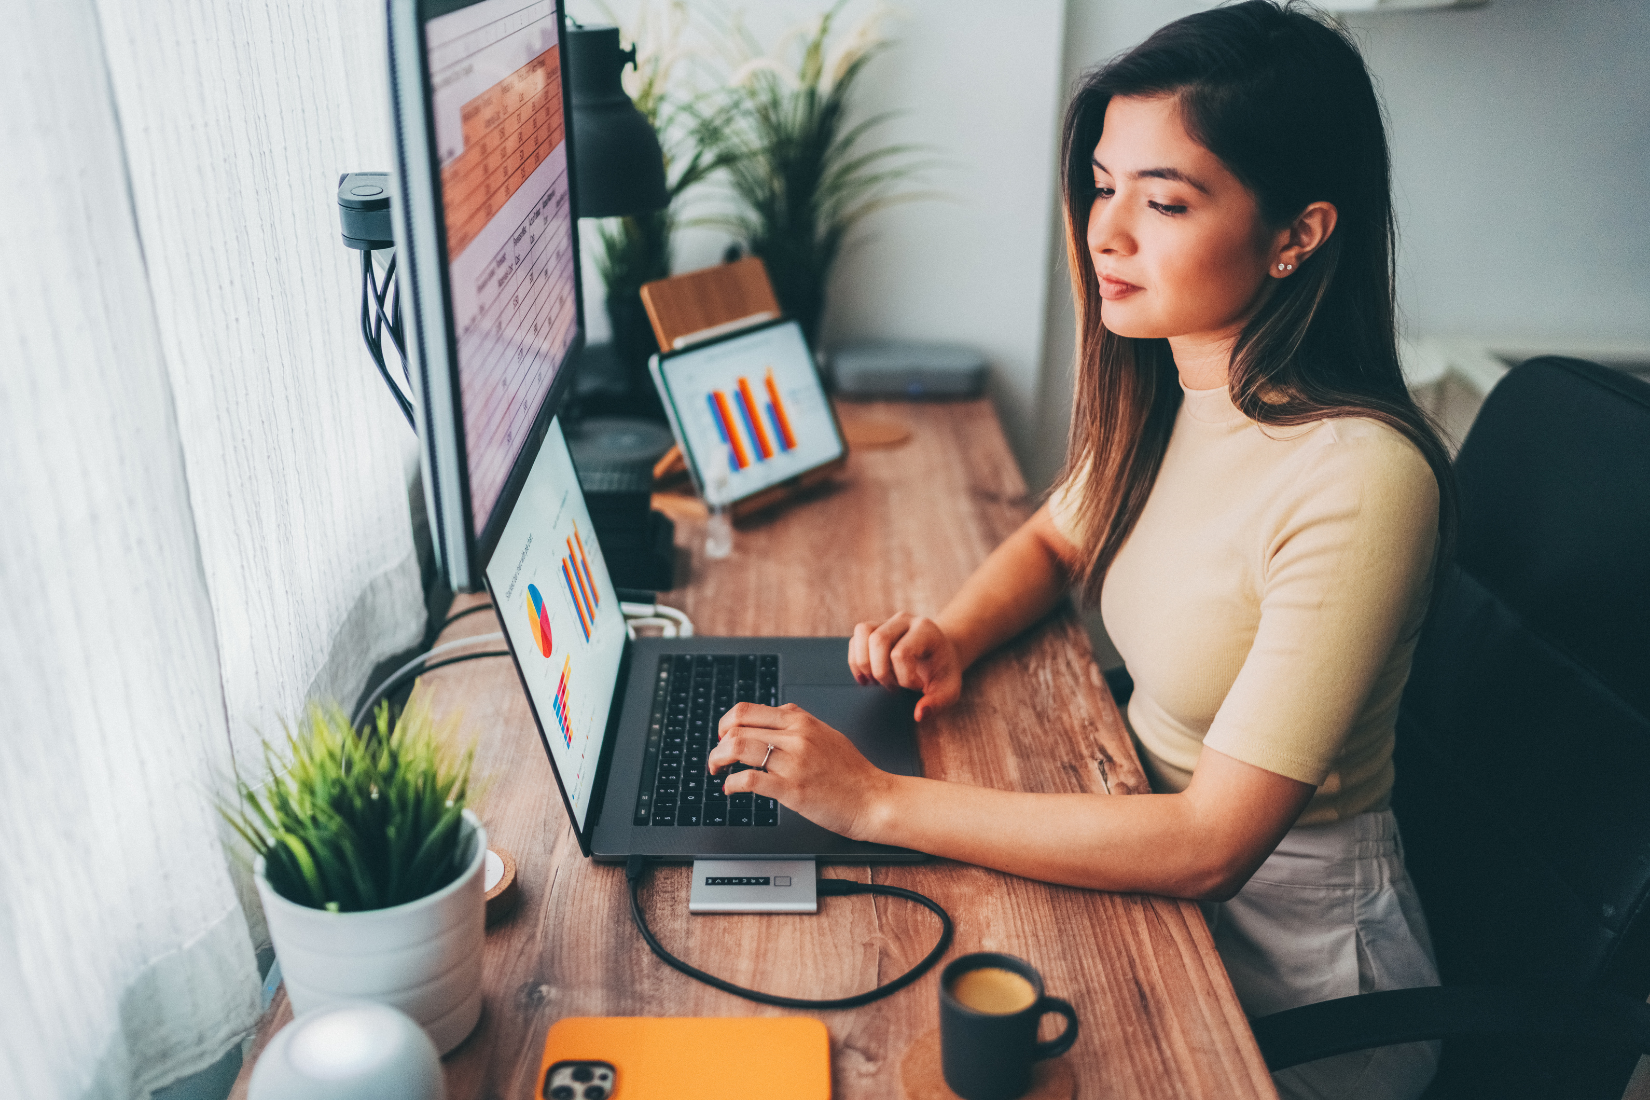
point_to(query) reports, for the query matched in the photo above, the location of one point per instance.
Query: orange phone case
(698, 1058)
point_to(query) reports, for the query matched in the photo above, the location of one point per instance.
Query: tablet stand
(715, 301)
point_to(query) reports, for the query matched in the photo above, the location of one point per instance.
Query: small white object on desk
(718, 533)
(719, 525)
(353, 1050)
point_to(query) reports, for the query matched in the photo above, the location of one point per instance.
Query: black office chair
(1523, 760)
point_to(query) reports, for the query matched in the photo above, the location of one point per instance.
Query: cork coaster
(872, 433)
(503, 891)
(923, 1079)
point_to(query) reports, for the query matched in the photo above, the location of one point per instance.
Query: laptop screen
(558, 607)
(750, 411)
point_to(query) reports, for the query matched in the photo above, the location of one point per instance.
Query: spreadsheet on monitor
(496, 103)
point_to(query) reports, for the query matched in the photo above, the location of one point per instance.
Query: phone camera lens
(562, 1092)
(594, 1092)
(581, 1074)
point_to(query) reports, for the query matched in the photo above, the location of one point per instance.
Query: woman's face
(1178, 243)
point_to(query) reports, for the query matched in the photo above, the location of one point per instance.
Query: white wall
(1520, 137)
(1094, 32)
(1520, 134)
(1521, 154)
(981, 86)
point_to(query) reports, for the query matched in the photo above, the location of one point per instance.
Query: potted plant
(800, 174)
(370, 867)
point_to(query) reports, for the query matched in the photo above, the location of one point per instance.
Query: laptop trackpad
(876, 720)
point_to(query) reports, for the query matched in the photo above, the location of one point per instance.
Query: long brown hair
(1285, 102)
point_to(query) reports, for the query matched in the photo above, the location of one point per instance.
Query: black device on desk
(615, 457)
(486, 240)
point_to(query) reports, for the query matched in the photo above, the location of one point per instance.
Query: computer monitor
(487, 250)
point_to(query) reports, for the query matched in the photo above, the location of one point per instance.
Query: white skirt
(1332, 913)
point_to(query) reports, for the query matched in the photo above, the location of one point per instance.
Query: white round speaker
(354, 1050)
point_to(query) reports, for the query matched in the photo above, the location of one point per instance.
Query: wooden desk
(901, 529)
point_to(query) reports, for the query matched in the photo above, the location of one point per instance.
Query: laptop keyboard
(691, 692)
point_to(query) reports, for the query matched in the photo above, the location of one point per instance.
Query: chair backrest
(1523, 752)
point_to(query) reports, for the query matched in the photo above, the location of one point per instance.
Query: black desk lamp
(619, 172)
(619, 168)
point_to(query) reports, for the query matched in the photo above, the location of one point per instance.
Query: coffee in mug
(994, 991)
(989, 1008)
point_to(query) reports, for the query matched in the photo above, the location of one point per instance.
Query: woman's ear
(1304, 236)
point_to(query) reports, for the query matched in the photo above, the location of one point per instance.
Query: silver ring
(762, 767)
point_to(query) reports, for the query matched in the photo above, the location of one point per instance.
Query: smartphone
(579, 1080)
(686, 1058)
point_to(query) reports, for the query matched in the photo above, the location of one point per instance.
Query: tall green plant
(355, 820)
(801, 175)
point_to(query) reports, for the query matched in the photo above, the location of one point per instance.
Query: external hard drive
(754, 886)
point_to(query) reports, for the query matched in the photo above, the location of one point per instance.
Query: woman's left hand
(813, 769)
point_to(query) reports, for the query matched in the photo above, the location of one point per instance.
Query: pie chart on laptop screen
(539, 618)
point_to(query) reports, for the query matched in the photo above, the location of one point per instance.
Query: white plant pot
(423, 957)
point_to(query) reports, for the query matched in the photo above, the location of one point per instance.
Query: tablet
(750, 414)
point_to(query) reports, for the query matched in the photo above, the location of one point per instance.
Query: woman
(1253, 500)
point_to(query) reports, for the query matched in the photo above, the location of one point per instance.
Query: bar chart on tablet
(754, 429)
(751, 410)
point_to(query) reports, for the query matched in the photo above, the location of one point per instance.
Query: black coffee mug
(988, 1055)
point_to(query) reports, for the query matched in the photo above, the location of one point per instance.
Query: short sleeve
(1063, 504)
(1346, 562)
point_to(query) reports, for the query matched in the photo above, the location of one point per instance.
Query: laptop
(627, 723)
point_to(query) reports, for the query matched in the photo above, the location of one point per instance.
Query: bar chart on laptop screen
(752, 410)
(581, 583)
(554, 600)
(496, 96)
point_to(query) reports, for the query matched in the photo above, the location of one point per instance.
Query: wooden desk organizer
(703, 304)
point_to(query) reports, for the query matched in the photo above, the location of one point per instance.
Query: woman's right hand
(908, 651)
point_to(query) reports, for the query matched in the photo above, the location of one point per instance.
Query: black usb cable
(636, 866)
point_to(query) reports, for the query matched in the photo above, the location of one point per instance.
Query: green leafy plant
(800, 174)
(358, 819)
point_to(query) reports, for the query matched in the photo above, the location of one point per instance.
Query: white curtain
(205, 494)
(238, 119)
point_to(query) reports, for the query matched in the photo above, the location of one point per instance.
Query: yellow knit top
(1267, 600)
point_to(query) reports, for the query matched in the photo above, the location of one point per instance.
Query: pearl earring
(1286, 267)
